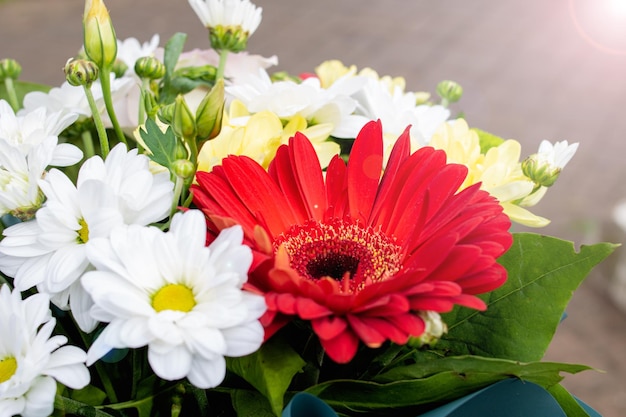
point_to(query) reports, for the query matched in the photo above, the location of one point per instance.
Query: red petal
(364, 169)
(368, 333)
(342, 348)
(329, 327)
(308, 171)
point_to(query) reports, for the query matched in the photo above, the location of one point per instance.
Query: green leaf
(162, 145)
(270, 370)
(487, 140)
(21, 89)
(420, 387)
(249, 403)
(89, 395)
(173, 49)
(523, 314)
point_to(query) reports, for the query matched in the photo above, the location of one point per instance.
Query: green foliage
(422, 386)
(269, 370)
(487, 140)
(21, 89)
(523, 314)
(162, 145)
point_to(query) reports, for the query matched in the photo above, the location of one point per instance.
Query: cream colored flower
(498, 170)
(259, 135)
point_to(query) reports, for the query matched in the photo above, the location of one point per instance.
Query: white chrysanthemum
(183, 300)
(31, 360)
(556, 155)
(308, 99)
(27, 131)
(228, 13)
(69, 99)
(50, 251)
(396, 110)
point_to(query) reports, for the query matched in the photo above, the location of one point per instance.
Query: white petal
(40, 398)
(171, 365)
(207, 373)
(244, 339)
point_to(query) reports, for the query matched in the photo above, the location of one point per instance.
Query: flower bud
(166, 113)
(449, 91)
(99, 35)
(149, 67)
(183, 122)
(119, 68)
(540, 172)
(229, 38)
(80, 72)
(434, 329)
(209, 113)
(203, 72)
(183, 169)
(9, 68)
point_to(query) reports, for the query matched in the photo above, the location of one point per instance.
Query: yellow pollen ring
(83, 232)
(8, 366)
(174, 297)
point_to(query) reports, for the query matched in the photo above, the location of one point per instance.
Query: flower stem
(13, 101)
(102, 134)
(222, 64)
(88, 144)
(178, 189)
(105, 80)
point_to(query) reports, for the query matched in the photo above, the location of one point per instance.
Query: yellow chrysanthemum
(498, 170)
(330, 71)
(259, 135)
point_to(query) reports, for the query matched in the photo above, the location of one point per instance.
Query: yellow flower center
(83, 232)
(8, 366)
(174, 297)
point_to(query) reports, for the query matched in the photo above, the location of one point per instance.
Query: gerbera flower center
(83, 232)
(341, 249)
(174, 297)
(8, 366)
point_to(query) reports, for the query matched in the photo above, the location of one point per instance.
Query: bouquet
(188, 233)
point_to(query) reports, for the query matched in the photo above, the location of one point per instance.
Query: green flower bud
(119, 68)
(9, 68)
(209, 113)
(183, 169)
(149, 67)
(230, 38)
(449, 91)
(183, 123)
(166, 113)
(540, 172)
(204, 72)
(81, 72)
(99, 35)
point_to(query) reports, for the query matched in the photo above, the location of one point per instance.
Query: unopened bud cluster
(9, 68)
(81, 72)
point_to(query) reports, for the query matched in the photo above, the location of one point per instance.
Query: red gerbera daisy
(357, 253)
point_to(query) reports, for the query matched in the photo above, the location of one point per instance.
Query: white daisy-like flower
(29, 130)
(69, 99)
(49, 252)
(556, 155)
(396, 110)
(168, 291)
(308, 99)
(228, 13)
(31, 361)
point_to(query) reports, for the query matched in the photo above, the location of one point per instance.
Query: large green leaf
(423, 386)
(523, 314)
(270, 370)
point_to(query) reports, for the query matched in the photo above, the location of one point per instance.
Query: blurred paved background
(531, 69)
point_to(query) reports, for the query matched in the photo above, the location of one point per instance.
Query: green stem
(178, 189)
(145, 83)
(134, 403)
(88, 144)
(97, 119)
(105, 80)
(102, 373)
(13, 101)
(222, 64)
